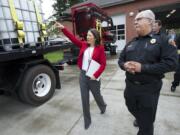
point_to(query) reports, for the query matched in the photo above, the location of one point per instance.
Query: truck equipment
(89, 15)
(24, 71)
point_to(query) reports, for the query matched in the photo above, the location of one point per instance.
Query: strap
(98, 27)
(42, 26)
(19, 25)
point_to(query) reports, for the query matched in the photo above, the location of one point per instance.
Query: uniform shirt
(155, 55)
(87, 57)
(177, 40)
(162, 34)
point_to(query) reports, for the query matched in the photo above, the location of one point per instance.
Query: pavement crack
(104, 87)
(169, 95)
(76, 122)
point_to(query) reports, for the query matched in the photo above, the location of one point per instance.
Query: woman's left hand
(93, 78)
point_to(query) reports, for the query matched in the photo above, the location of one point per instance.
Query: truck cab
(89, 15)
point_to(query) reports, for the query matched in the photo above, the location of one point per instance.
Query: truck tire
(38, 85)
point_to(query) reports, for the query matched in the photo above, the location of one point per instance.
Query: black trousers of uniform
(176, 81)
(142, 101)
(87, 85)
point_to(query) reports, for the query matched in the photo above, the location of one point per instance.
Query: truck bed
(32, 51)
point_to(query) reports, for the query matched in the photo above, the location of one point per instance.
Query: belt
(138, 82)
(144, 83)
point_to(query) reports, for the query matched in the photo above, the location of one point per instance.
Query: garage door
(120, 31)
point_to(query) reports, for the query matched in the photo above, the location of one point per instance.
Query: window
(120, 26)
(119, 30)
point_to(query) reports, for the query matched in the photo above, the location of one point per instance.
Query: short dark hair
(158, 22)
(96, 35)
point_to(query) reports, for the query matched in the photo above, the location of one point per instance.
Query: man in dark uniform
(158, 29)
(145, 59)
(176, 80)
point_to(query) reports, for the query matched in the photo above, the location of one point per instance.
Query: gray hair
(146, 14)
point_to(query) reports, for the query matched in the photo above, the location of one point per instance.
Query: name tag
(178, 51)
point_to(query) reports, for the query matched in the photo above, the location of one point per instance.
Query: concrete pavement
(62, 115)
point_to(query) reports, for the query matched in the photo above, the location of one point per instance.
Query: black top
(154, 53)
(178, 41)
(162, 33)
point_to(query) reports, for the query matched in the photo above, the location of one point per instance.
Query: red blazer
(98, 53)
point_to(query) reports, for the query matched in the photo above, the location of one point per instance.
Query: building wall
(134, 7)
(119, 29)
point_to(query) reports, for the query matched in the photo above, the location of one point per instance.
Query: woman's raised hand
(59, 25)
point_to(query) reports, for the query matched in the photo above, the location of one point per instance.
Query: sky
(47, 8)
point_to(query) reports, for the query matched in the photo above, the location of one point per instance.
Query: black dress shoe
(135, 123)
(86, 126)
(1, 92)
(104, 110)
(173, 88)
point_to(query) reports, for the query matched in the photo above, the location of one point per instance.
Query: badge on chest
(153, 41)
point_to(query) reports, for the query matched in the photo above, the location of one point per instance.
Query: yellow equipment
(19, 25)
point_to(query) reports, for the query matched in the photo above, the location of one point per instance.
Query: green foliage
(51, 30)
(54, 57)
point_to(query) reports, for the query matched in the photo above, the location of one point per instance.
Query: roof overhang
(110, 4)
(106, 3)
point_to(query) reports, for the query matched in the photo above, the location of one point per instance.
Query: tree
(61, 5)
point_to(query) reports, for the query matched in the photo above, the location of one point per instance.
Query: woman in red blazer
(89, 50)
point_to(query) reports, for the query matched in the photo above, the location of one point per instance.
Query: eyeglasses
(141, 18)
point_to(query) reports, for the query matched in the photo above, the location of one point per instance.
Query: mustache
(136, 26)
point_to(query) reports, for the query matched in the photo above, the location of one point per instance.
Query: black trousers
(142, 101)
(176, 81)
(87, 85)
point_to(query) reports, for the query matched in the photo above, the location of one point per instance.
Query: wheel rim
(41, 85)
